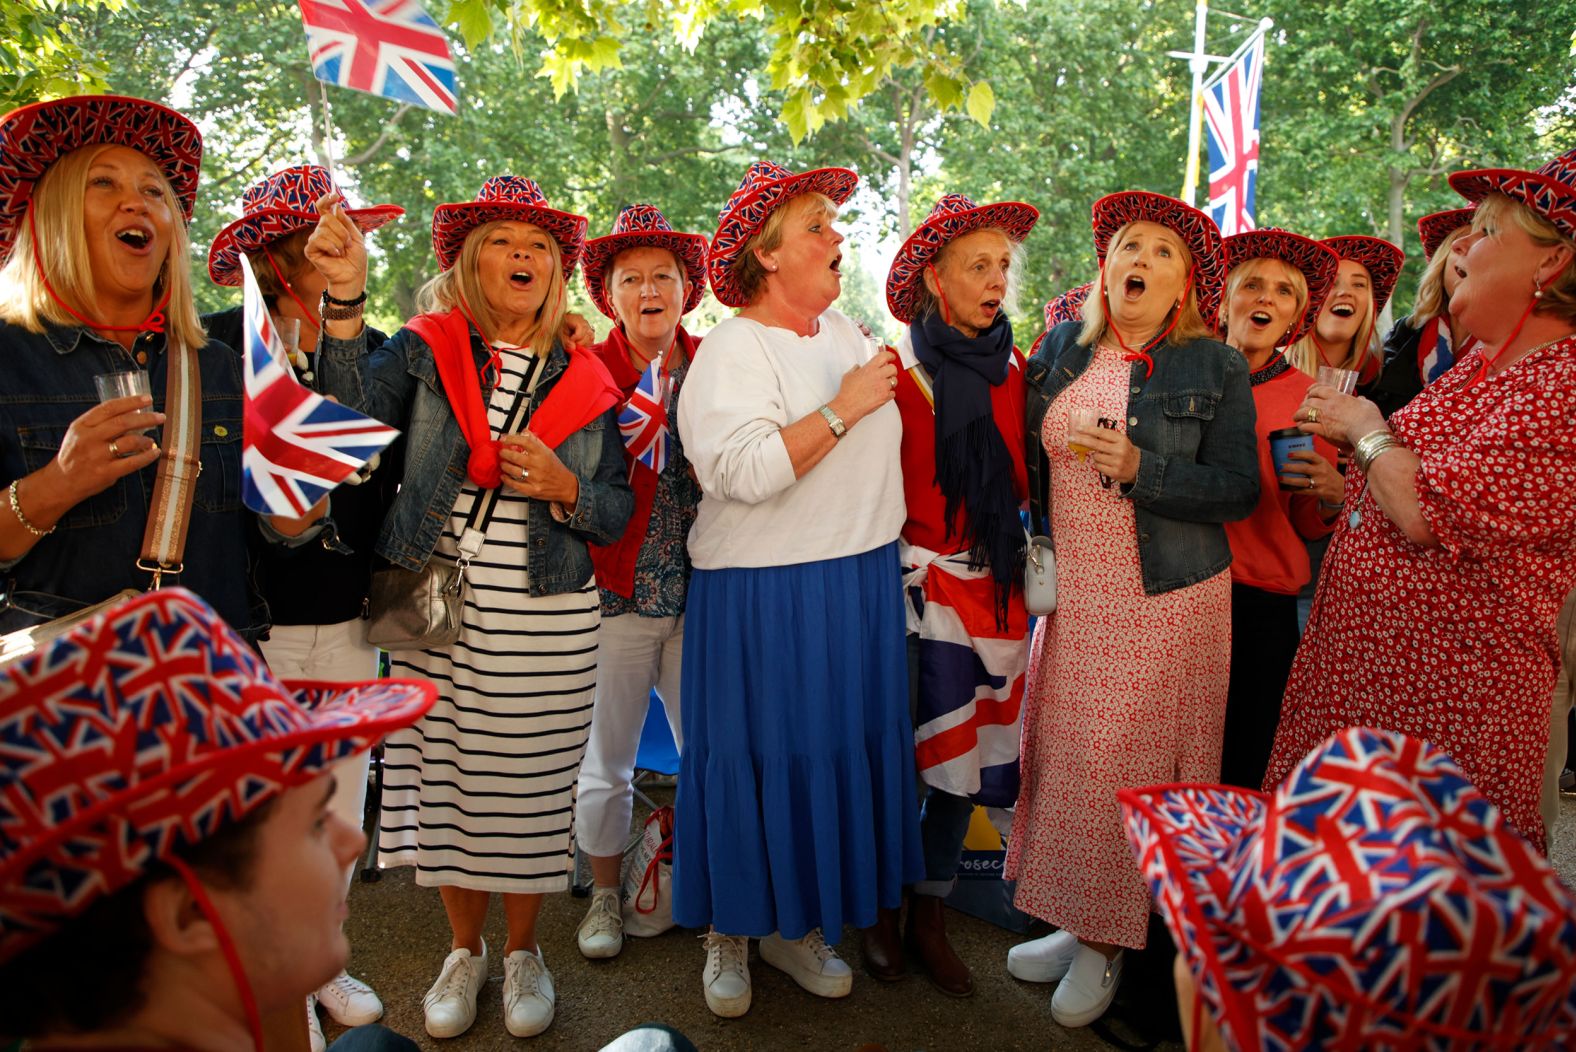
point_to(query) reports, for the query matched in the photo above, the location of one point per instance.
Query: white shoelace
(603, 918)
(528, 967)
(347, 987)
(727, 949)
(451, 983)
(815, 942)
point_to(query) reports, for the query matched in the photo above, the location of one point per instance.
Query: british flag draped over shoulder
(296, 445)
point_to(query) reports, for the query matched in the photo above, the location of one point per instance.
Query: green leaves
(40, 54)
(982, 101)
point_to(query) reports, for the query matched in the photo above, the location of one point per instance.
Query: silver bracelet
(16, 509)
(1371, 446)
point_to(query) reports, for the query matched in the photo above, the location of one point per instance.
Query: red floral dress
(1125, 689)
(1454, 644)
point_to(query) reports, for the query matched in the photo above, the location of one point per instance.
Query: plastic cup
(1081, 418)
(1343, 380)
(1283, 444)
(121, 385)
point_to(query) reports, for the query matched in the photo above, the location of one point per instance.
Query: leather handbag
(1039, 576)
(421, 609)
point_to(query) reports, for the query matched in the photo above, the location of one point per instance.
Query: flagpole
(328, 136)
(1198, 62)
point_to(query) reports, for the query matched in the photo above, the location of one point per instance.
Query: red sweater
(1267, 548)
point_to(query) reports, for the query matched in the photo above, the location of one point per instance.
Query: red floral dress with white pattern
(1124, 689)
(1454, 644)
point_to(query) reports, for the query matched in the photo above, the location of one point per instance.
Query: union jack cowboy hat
(1550, 191)
(1379, 257)
(640, 225)
(277, 207)
(952, 217)
(506, 197)
(1197, 231)
(1375, 900)
(764, 187)
(1068, 306)
(141, 732)
(1433, 229)
(1317, 263)
(34, 137)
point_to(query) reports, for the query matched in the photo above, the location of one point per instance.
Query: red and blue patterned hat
(1550, 191)
(1316, 262)
(953, 216)
(277, 207)
(1376, 900)
(764, 187)
(640, 225)
(506, 197)
(34, 137)
(1434, 228)
(1379, 257)
(143, 731)
(1068, 306)
(1197, 231)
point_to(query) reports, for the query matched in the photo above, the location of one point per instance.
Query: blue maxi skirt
(796, 800)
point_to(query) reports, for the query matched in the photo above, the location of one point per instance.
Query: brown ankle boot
(927, 940)
(884, 947)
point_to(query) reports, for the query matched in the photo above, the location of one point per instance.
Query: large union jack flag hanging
(643, 421)
(1231, 113)
(391, 48)
(295, 445)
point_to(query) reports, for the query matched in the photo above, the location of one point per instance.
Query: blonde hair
(1432, 299)
(1190, 323)
(460, 287)
(1559, 298)
(61, 249)
(747, 269)
(1257, 267)
(289, 254)
(1306, 355)
(926, 302)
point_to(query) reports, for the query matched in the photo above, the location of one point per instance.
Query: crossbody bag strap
(175, 482)
(480, 517)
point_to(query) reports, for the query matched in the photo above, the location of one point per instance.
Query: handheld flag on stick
(643, 422)
(296, 445)
(391, 48)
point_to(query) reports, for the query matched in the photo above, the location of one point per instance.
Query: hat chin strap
(232, 959)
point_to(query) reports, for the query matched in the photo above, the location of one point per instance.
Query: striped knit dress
(480, 793)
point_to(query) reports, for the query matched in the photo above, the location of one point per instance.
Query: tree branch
(377, 144)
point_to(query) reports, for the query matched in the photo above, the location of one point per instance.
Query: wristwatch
(833, 421)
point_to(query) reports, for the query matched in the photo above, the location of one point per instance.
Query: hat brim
(934, 234)
(1068, 306)
(1550, 198)
(265, 226)
(1432, 230)
(1382, 260)
(36, 136)
(1315, 262)
(688, 249)
(1197, 231)
(745, 215)
(452, 223)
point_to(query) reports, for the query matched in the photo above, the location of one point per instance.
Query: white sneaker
(349, 1001)
(1043, 960)
(726, 979)
(810, 962)
(450, 1005)
(528, 996)
(602, 932)
(1086, 991)
(314, 1028)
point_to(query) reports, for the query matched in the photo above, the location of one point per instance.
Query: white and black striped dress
(480, 793)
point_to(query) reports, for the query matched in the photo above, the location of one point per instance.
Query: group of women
(819, 545)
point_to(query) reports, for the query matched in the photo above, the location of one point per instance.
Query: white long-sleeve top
(748, 383)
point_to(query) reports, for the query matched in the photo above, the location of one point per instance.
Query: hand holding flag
(643, 422)
(296, 445)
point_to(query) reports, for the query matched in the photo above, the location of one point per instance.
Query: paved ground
(400, 938)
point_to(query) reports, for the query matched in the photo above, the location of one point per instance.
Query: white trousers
(634, 654)
(338, 654)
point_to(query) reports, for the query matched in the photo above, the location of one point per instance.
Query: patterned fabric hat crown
(34, 137)
(142, 732)
(639, 225)
(765, 186)
(506, 197)
(277, 207)
(1433, 229)
(1316, 262)
(1068, 306)
(1197, 231)
(1550, 191)
(952, 217)
(1376, 900)
(1380, 258)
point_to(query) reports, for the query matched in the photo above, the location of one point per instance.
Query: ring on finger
(893, 382)
(524, 474)
(1313, 414)
(114, 450)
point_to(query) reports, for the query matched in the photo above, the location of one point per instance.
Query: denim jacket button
(1137, 389)
(1132, 421)
(1143, 538)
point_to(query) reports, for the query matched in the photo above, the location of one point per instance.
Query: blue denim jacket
(1198, 466)
(398, 383)
(47, 383)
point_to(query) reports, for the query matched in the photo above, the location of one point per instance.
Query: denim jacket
(398, 384)
(1198, 466)
(47, 383)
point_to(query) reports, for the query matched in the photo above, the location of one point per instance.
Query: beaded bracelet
(338, 310)
(336, 301)
(16, 509)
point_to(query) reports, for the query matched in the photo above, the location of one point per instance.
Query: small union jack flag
(644, 419)
(295, 445)
(391, 48)
(1231, 112)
